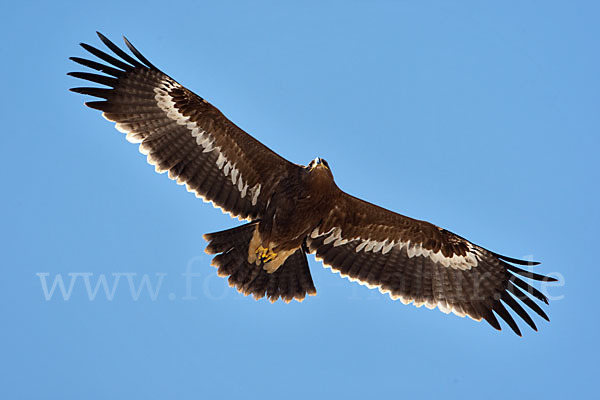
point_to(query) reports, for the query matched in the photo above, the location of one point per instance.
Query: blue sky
(478, 116)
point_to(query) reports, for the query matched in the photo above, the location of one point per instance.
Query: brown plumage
(294, 210)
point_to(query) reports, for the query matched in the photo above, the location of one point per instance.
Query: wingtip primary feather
(516, 260)
(520, 311)
(528, 288)
(505, 315)
(491, 319)
(96, 92)
(519, 294)
(96, 78)
(530, 275)
(139, 55)
(96, 105)
(119, 52)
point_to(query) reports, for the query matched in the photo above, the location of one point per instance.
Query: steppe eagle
(293, 210)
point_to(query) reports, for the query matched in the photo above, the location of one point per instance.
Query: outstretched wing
(182, 133)
(415, 261)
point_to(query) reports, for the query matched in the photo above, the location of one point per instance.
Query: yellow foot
(265, 255)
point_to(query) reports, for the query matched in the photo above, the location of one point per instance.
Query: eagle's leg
(270, 259)
(254, 245)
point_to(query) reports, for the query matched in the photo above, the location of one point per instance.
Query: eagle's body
(298, 205)
(294, 209)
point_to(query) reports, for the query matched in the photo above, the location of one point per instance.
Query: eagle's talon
(265, 255)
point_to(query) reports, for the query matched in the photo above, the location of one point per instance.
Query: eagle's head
(319, 168)
(317, 164)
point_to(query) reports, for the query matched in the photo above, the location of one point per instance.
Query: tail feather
(290, 281)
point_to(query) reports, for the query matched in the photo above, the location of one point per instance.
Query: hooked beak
(318, 163)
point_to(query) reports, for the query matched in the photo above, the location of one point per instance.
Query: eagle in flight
(293, 210)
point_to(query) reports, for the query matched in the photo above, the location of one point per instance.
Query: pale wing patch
(334, 235)
(204, 139)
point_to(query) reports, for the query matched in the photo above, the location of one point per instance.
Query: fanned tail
(290, 281)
